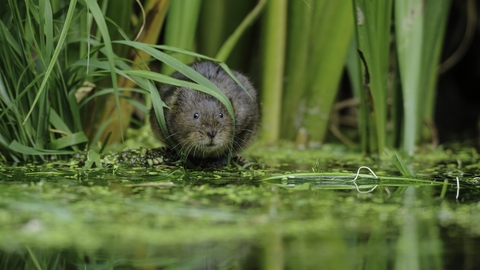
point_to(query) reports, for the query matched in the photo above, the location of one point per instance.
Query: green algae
(122, 216)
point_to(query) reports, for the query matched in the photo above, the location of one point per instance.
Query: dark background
(458, 95)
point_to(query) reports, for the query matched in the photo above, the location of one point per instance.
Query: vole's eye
(195, 115)
(221, 115)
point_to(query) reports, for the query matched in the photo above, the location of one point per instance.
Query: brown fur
(209, 135)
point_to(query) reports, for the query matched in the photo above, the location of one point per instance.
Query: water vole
(199, 125)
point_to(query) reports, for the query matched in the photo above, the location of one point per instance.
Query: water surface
(270, 215)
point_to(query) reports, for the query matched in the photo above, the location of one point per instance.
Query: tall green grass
(419, 29)
(147, 28)
(71, 74)
(297, 55)
(372, 21)
(39, 111)
(273, 61)
(42, 73)
(396, 97)
(316, 53)
(328, 50)
(419, 33)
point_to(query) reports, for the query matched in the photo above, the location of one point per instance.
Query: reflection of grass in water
(168, 217)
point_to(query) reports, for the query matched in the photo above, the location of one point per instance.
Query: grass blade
(401, 166)
(434, 31)
(232, 40)
(373, 20)
(182, 68)
(20, 148)
(69, 140)
(102, 26)
(298, 47)
(409, 17)
(327, 59)
(56, 53)
(274, 32)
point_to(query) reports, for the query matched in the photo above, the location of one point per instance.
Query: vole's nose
(211, 133)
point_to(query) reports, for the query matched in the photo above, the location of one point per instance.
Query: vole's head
(200, 125)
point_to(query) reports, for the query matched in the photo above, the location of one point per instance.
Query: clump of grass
(419, 28)
(50, 57)
(39, 112)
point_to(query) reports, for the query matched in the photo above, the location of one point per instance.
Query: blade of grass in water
(407, 255)
(401, 166)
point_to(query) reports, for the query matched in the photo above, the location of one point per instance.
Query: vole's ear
(174, 96)
(172, 100)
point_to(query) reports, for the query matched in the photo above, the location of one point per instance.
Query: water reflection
(155, 219)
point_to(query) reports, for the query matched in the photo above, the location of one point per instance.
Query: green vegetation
(75, 75)
(419, 35)
(373, 20)
(44, 112)
(56, 216)
(419, 29)
(50, 62)
(328, 49)
(71, 69)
